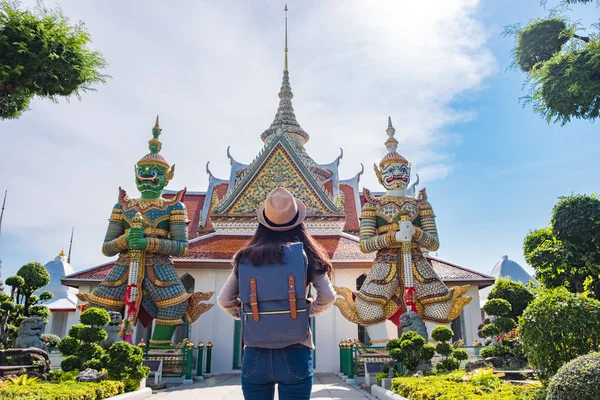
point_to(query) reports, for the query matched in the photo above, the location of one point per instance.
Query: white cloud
(212, 70)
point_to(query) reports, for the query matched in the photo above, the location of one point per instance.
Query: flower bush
(577, 379)
(62, 391)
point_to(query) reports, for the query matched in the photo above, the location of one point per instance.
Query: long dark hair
(266, 247)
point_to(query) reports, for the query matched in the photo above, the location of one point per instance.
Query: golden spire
(62, 253)
(285, 64)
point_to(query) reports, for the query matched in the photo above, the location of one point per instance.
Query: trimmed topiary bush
(410, 349)
(515, 293)
(450, 362)
(52, 340)
(577, 379)
(124, 362)
(557, 327)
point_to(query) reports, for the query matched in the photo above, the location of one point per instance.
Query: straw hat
(281, 211)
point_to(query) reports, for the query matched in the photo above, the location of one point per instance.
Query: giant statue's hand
(406, 231)
(135, 239)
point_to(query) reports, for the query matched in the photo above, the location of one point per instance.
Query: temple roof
(63, 295)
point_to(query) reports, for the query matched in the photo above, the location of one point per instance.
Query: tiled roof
(448, 271)
(220, 190)
(223, 247)
(97, 273)
(349, 209)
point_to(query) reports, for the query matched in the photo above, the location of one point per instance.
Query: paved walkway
(228, 387)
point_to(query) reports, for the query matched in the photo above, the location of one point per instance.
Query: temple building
(223, 219)
(63, 306)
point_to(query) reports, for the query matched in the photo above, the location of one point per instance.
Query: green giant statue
(146, 233)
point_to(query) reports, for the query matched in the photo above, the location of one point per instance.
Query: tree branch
(584, 38)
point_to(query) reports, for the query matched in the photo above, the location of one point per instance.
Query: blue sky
(493, 170)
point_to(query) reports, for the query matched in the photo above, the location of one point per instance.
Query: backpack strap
(254, 300)
(292, 296)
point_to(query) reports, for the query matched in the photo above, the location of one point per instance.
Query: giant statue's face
(150, 178)
(395, 176)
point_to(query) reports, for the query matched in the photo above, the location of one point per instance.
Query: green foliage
(427, 352)
(515, 293)
(125, 363)
(448, 365)
(539, 41)
(444, 348)
(567, 254)
(63, 391)
(69, 346)
(409, 349)
(89, 351)
(71, 363)
(562, 67)
(42, 54)
(23, 380)
(490, 330)
(91, 334)
(75, 330)
(484, 377)
(460, 354)
(52, 340)
(21, 302)
(380, 376)
(498, 307)
(557, 327)
(577, 378)
(96, 317)
(505, 324)
(441, 333)
(453, 386)
(46, 296)
(495, 351)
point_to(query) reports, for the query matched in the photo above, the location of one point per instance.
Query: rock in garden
(90, 375)
(477, 364)
(496, 362)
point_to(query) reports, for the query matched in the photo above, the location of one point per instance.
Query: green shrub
(448, 365)
(63, 391)
(444, 349)
(96, 317)
(460, 354)
(380, 376)
(577, 379)
(410, 349)
(557, 327)
(70, 363)
(442, 334)
(52, 340)
(490, 330)
(125, 363)
(499, 307)
(91, 334)
(517, 294)
(453, 386)
(495, 351)
(505, 324)
(75, 330)
(89, 351)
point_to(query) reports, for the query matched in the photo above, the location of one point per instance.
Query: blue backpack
(274, 310)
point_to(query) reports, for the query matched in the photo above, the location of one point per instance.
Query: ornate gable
(277, 166)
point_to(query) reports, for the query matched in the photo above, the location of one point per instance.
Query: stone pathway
(221, 387)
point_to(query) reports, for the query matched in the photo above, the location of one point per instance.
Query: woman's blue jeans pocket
(250, 361)
(298, 361)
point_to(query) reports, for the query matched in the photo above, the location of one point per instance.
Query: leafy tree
(567, 253)
(22, 303)
(562, 67)
(515, 293)
(124, 362)
(557, 327)
(42, 54)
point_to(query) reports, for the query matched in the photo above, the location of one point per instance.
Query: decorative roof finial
(285, 65)
(62, 253)
(155, 146)
(391, 145)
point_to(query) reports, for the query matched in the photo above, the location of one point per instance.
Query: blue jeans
(290, 367)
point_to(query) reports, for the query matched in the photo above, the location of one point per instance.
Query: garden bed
(456, 386)
(61, 391)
